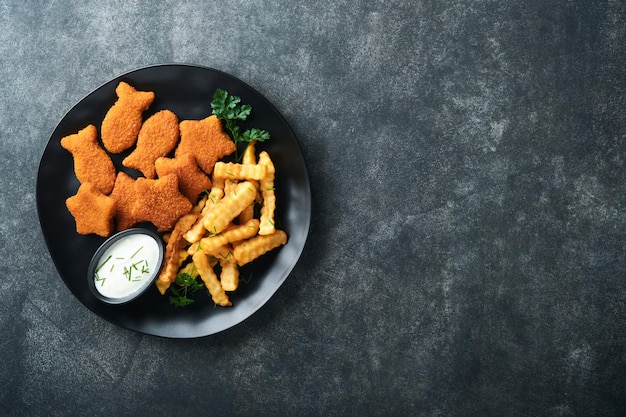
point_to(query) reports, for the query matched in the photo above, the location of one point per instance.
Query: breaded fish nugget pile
(174, 159)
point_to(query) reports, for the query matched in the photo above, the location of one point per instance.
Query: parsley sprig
(229, 109)
(183, 290)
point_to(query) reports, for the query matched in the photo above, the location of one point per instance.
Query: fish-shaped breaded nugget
(91, 163)
(161, 203)
(123, 120)
(191, 180)
(92, 210)
(126, 198)
(206, 140)
(157, 137)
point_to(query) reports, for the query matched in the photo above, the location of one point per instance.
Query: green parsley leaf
(229, 109)
(255, 134)
(183, 289)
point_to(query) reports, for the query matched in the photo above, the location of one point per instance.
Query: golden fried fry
(269, 198)
(222, 252)
(249, 154)
(246, 214)
(195, 233)
(197, 230)
(230, 185)
(239, 171)
(250, 249)
(201, 260)
(229, 276)
(172, 259)
(231, 234)
(249, 157)
(199, 207)
(190, 269)
(229, 207)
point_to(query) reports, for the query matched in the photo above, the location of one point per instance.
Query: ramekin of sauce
(125, 265)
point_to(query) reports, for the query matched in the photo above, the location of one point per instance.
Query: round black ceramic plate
(186, 90)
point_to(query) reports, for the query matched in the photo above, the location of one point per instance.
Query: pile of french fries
(222, 228)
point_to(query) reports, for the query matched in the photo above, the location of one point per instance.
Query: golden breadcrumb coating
(125, 198)
(191, 180)
(161, 203)
(92, 210)
(91, 163)
(123, 120)
(206, 140)
(157, 137)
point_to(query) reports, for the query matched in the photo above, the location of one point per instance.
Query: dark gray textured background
(467, 247)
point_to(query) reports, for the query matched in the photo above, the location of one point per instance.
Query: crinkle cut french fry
(269, 197)
(172, 257)
(229, 276)
(215, 195)
(235, 171)
(248, 250)
(195, 233)
(189, 269)
(210, 279)
(246, 214)
(249, 155)
(224, 252)
(230, 234)
(230, 185)
(162, 286)
(199, 207)
(229, 207)
(217, 183)
(169, 271)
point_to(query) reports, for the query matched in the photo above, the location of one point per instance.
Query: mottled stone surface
(467, 253)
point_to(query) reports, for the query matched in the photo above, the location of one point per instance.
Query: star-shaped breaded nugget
(160, 201)
(206, 140)
(92, 210)
(125, 198)
(191, 180)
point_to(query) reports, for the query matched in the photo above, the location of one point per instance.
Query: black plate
(187, 91)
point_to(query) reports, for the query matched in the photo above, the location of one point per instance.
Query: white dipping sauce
(127, 266)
